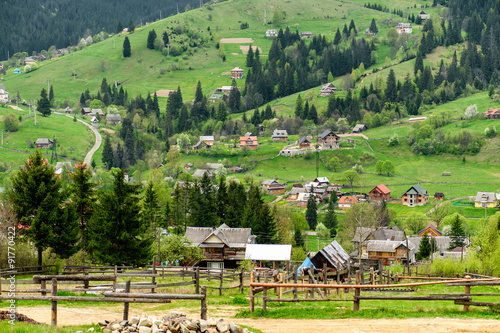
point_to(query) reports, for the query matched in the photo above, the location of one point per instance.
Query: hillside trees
(257, 215)
(312, 211)
(126, 48)
(82, 198)
(11, 122)
(151, 39)
(43, 105)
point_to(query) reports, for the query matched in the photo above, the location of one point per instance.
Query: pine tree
(457, 233)
(44, 104)
(131, 26)
(198, 95)
(119, 28)
(312, 211)
(299, 108)
(330, 218)
(257, 215)
(222, 200)
(150, 212)
(234, 101)
(107, 153)
(373, 27)
(165, 38)
(338, 37)
(391, 92)
(118, 233)
(126, 48)
(250, 57)
(237, 200)
(313, 114)
(353, 26)
(424, 250)
(151, 39)
(297, 236)
(82, 198)
(51, 94)
(419, 63)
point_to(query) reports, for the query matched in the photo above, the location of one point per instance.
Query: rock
(115, 327)
(144, 329)
(155, 329)
(124, 323)
(203, 325)
(190, 325)
(102, 323)
(106, 330)
(233, 328)
(145, 322)
(157, 322)
(245, 330)
(184, 329)
(115, 331)
(222, 326)
(132, 329)
(211, 330)
(134, 320)
(212, 322)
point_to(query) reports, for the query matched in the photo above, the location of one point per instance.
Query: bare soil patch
(107, 130)
(496, 174)
(234, 53)
(163, 92)
(15, 107)
(244, 49)
(5, 315)
(236, 40)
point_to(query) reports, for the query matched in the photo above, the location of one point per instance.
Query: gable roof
(304, 139)
(416, 189)
(348, 200)
(325, 134)
(388, 233)
(200, 172)
(385, 245)
(43, 141)
(486, 196)
(113, 117)
(280, 134)
(359, 127)
(335, 256)
(297, 190)
(431, 227)
(381, 188)
(321, 180)
(232, 237)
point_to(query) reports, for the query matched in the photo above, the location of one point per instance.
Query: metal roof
(335, 256)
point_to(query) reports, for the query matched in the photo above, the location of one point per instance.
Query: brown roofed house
(379, 193)
(237, 73)
(415, 196)
(304, 143)
(329, 140)
(249, 141)
(439, 196)
(492, 114)
(273, 186)
(430, 231)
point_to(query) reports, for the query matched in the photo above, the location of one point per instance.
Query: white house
(404, 28)
(4, 95)
(271, 33)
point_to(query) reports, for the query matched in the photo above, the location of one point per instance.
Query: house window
(215, 265)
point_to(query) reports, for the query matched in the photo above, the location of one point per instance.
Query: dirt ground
(163, 92)
(244, 49)
(82, 316)
(236, 40)
(16, 107)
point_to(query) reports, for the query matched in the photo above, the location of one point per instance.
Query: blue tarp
(307, 263)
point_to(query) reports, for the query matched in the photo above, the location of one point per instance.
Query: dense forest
(29, 25)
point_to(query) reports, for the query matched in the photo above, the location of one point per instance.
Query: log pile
(175, 322)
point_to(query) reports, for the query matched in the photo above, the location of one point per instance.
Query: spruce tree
(44, 104)
(165, 38)
(119, 28)
(419, 64)
(424, 250)
(391, 92)
(222, 200)
(126, 48)
(353, 26)
(198, 94)
(107, 153)
(297, 236)
(82, 198)
(131, 26)
(373, 27)
(150, 210)
(312, 211)
(118, 232)
(299, 108)
(313, 114)
(151, 39)
(457, 233)
(330, 218)
(51, 94)
(237, 200)
(338, 38)
(250, 57)
(258, 216)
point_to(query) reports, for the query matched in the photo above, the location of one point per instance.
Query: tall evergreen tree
(373, 27)
(119, 27)
(165, 38)
(234, 101)
(126, 48)
(391, 92)
(258, 216)
(51, 94)
(198, 94)
(250, 56)
(151, 39)
(82, 198)
(118, 233)
(313, 114)
(353, 26)
(238, 199)
(150, 211)
(131, 26)
(297, 236)
(312, 211)
(419, 63)
(330, 218)
(424, 250)
(222, 201)
(44, 104)
(299, 108)
(457, 233)
(338, 37)
(107, 153)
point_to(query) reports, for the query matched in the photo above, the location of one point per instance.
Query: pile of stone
(174, 322)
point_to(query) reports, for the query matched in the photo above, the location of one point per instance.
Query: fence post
(357, 292)
(197, 278)
(264, 294)
(86, 283)
(114, 282)
(204, 303)
(53, 306)
(325, 278)
(467, 292)
(153, 279)
(251, 292)
(241, 280)
(126, 304)
(294, 281)
(221, 281)
(0, 285)
(43, 286)
(280, 289)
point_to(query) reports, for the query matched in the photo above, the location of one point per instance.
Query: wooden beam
(38, 278)
(154, 296)
(415, 298)
(83, 299)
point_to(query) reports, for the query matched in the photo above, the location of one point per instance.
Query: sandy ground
(81, 316)
(244, 49)
(236, 40)
(16, 107)
(163, 92)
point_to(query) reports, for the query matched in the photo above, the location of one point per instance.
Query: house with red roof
(347, 202)
(379, 193)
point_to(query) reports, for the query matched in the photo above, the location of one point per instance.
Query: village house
(29, 60)
(204, 142)
(279, 135)
(347, 202)
(294, 193)
(60, 166)
(415, 196)
(329, 140)
(249, 142)
(237, 73)
(215, 97)
(113, 119)
(223, 247)
(271, 33)
(404, 28)
(334, 256)
(379, 193)
(369, 32)
(488, 199)
(306, 34)
(322, 181)
(303, 198)
(43, 143)
(224, 89)
(85, 111)
(95, 112)
(492, 114)
(199, 173)
(214, 166)
(94, 121)
(364, 234)
(439, 196)
(359, 128)
(430, 231)
(327, 90)
(273, 187)
(4, 95)
(389, 252)
(424, 16)
(304, 143)
(417, 119)
(68, 110)
(441, 250)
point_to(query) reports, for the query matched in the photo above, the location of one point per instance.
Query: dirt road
(81, 316)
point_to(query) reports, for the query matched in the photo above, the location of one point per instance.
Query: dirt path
(16, 107)
(82, 316)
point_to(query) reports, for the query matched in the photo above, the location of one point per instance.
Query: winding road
(97, 144)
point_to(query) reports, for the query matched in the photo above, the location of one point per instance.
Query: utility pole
(29, 107)
(160, 14)
(74, 73)
(48, 85)
(2, 137)
(177, 9)
(34, 111)
(265, 17)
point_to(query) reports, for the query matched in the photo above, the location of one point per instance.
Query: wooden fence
(28, 270)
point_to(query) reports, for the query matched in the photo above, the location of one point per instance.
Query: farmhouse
(379, 193)
(224, 89)
(215, 97)
(488, 199)
(359, 128)
(68, 110)
(364, 234)
(492, 114)
(204, 142)
(295, 191)
(439, 196)
(415, 196)
(304, 143)
(442, 244)
(85, 111)
(347, 202)
(201, 172)
(94, 121)
(388, 251)
(223, 247)
(306, 34)
(334, 256)
(329, 140)
(271, 33)
(237, 73)
(404, 28)
(327, 90)
(303, 198)
(214, 166)
(424, 16)
(113, 119)
(321, 181)
(369, 32)
(273, 187)
(29, 60)
(279, 135)
(44, 143)
(430, 231)
(4, 95)
(250, 142)
(95, 112)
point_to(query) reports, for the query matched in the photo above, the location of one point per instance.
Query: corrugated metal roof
(335, 255)
(268, 252)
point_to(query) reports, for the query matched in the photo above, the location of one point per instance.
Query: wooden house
(379, 193)
(488, 199)
(215, 97)
(492, 114)
(43, 143)
(306, 34)
(303, 198)
(415, 196)
(387, 251)
(329, 140)
(364, 234)
(347, 202)
(294, 193)
(250, 142)
(439, 196)
(95, 112)
(273, 187)
(237, 73)
(424, 16)
(279, 135)
(223, 247)
(68, 110)
(199, 173)
(359, 128)
(271, 33)
(4, 95)
(404, 28)
(204, 142)
(85, 111)
(327, 90)
(430, 231)
(333, 256)
(321, 181)
(113, 119)
(224, 90)
(304, 143)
